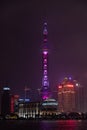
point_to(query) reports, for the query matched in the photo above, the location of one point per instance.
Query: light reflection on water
(44, 125)
(60, 125)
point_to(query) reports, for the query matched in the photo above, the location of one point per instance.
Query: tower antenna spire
(45, 79)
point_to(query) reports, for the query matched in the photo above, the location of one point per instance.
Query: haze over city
(21, 27)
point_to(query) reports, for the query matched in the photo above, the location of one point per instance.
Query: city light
(6, 88)
(59, 86)
(45, 52)
(70, 85)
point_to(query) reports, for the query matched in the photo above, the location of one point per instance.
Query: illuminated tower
(45, 81)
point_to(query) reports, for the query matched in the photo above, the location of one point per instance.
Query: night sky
(21, 39)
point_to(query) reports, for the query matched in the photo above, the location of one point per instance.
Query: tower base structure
(45, 94)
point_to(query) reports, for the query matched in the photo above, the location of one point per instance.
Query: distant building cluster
(68, 101)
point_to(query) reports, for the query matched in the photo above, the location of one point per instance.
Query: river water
(43, 125)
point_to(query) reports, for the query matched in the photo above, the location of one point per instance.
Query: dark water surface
(43, 125)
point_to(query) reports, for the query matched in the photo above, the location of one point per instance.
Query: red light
(12, 104)
(16, 96)
(70, 85)
(60, 87)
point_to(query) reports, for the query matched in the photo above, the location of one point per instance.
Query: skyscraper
(45, 93)
(66, 96)
(5, 101)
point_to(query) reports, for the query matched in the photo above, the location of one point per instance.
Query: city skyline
(21, 43)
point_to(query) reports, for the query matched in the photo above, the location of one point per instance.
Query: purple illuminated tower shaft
(45, 81)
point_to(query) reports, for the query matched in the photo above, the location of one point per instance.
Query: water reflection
(62, 125)
(43, 125)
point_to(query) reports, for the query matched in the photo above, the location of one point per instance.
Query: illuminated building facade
(66, 96)
(14, 104)
(28, 109)
(45, 81)
(49, 107)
